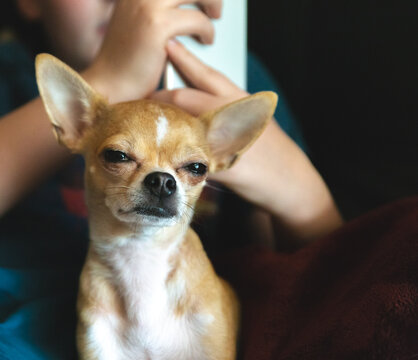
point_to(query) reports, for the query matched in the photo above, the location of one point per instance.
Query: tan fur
(122, 240)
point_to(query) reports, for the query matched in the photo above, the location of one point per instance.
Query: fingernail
(172, 42)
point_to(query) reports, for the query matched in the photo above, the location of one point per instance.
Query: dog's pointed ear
(70, 102)
(234, 127)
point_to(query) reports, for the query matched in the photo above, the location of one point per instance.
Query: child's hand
(274, 173)
(210, 89)
(132, 58)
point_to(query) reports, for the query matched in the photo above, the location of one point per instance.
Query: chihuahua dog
(147, 289)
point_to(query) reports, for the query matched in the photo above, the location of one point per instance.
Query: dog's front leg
(99, 310)
(99, 340)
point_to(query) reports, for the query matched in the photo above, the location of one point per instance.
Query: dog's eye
(197, 169)
(115, 156)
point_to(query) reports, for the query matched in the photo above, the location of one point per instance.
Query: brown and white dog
(147, 289)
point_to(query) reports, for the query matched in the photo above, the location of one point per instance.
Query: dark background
(349, 70)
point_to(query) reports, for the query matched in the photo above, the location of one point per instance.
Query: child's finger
(193, 101)
(211, 8)
(198, 74)
(191, 22)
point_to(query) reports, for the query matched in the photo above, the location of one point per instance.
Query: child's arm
(274, 173)
(128, 67)
(28, 152)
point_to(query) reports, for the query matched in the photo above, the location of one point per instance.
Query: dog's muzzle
(159, 191)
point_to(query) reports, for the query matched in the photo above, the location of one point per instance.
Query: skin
(75, 29)
(132, 55)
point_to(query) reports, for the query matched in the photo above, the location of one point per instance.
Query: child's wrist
(95, 79)
(114, 88)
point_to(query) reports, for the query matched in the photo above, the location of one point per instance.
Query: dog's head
(146, 162)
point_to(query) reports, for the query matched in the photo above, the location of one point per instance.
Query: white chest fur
(152, 330)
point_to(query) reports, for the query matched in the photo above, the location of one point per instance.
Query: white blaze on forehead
(162, 128)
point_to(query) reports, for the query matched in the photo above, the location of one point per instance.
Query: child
(120, 48)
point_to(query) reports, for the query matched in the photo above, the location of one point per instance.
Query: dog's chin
(148, 216)
(155, 221)
(155, 211)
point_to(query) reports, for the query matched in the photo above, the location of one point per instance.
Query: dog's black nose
(160, 184)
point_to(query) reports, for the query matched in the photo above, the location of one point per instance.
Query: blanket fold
(352, 295)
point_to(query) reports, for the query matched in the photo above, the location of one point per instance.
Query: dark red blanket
(352, 295)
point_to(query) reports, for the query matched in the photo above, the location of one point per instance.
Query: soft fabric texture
(352, 295)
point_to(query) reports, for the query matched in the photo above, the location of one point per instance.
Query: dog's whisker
(217, 187)
(120, 187)
(117, 194)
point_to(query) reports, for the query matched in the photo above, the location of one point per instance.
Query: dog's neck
(140, 263)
